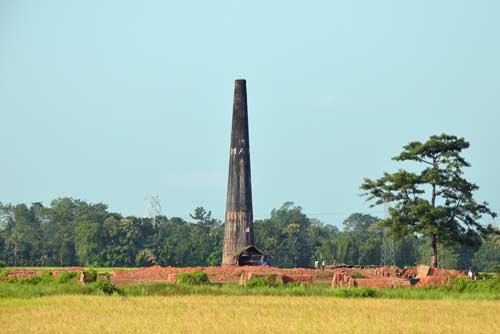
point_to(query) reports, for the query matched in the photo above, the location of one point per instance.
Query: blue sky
(111, 101)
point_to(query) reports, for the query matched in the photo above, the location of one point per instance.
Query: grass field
(473, 291)
(245, 314)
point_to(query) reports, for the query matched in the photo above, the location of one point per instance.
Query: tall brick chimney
(238, 226)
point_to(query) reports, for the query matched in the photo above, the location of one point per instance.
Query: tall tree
(60, 230)
(202, 236)
(285, 236)
(487, 258)
(22, 235)
(89, 233)
(437, 202)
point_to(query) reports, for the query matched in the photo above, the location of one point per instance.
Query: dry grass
(245, 314)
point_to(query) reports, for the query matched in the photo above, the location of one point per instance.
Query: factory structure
(239, 242)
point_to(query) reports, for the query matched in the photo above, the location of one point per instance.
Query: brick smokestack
(238, 226)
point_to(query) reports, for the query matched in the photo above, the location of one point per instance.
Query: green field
(245, 314)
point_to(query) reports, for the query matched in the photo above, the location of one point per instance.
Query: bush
(66, 276)
(91, 275)
(256, 282)
(2, 264)
(357, 274)
(296, 285)
(262, 280)
(198, 277)
(464, 284)
(47, 276)
(108, 288)
(3, 274)
(33, 280)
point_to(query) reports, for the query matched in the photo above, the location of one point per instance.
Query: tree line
(72, 232)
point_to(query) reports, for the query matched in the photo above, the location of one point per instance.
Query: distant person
(334, 263)
(316, 264)
(322, 264)
(470, 274)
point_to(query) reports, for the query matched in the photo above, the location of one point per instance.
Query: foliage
(197, 277)
(460, 289)
(438, 202)
(3, 274)
(108, 288)
(286, 237)
(74, 233)
(47, 277)
(65, 277)
(145, 258)
(29, 280)
(487, 258)
(91, 275)
(2, 264)
(262, 281)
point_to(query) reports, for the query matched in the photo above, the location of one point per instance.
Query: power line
(339, 213)
(153, 208)
(387, 257)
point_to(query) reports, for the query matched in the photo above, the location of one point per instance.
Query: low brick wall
(23, 273)
(142, 275)
(373, 282)
(28, 272)
(306, 279)
(337, 277)
(433, 280)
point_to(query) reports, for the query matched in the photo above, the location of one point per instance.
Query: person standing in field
(316, 264)
(334, 263)
(470, 274)
(323, 265)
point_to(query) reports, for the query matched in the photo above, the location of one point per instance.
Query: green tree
(437, 202)
(203, 217)
(23, 239)
(359, 223)
(406, 251)
(125, 238)
(202, 237)
(60, 230)
(172, 242)
(89, 234)
(285, 236)
(487, 258)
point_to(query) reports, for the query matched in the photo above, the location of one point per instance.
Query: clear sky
(111, 101)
